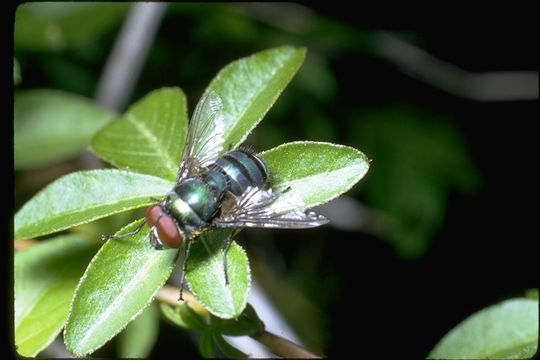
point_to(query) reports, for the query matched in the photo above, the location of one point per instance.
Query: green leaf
(206, 276)
(191, 318)
(227, 349)
(420, 156)
(206, 346)
(16, 72)
(150, 137)
(119, 283)
(45, 278)
(53, 26)
(248, 323)
(85, 196)
(172, 313)
(317, 172)
(508, 330)
(249, 87)
(531, 294)
(139, 337)
(51, 125)
(183, 316)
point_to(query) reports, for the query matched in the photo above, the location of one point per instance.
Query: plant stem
(282, 347)
(127, 58)
(23, 244)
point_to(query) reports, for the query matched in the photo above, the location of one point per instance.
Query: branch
(23, 244)
(282, 347)
(128, 55)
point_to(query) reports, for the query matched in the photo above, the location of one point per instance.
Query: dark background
(379, 298)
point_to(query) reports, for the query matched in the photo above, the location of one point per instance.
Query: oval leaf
(173, 314)
(139, 337)
(206, 345)
(206, 275)
(45, 278)
(508, 330)
(317, 172)
(119, 283)
(248, 323)
(51, 125)
(85, 196)
(54, 26)
(150, 137)
(249, 87)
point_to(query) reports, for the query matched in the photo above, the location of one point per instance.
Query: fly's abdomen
(242, 169)
(193, 204)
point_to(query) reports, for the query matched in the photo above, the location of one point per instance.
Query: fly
(219, 189)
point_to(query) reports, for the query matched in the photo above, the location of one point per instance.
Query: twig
(129, 54)
(169, 295)
(408, 57)
(282, 347)
(23, 244)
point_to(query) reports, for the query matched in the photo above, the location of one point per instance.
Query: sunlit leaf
(150, 137)
(508, 330)
(119, 283)
(85, 196)
(317, 172)
(206, 275)
(45, 278)
(51, 125)
(249, 87)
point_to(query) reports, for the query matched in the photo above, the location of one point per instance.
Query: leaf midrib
(135, 279)
(168, 161)
(253, 98)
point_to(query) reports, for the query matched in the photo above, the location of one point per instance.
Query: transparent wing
(205, 136)
(267, 209)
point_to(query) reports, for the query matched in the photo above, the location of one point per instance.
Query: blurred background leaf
(16, 72)
(139, 337)
(54, 26)
(419, 157)
(45, 278)
(508, 330)
(52, 125)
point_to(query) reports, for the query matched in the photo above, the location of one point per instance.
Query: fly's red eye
(167, 230)
(152, 215)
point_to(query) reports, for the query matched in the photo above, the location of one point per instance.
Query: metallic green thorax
(196, 201)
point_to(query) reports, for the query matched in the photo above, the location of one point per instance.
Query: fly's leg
(154, 240)
(187, 251)
(122, 236)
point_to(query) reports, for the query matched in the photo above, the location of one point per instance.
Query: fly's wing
(267, 209)
(205, 136)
